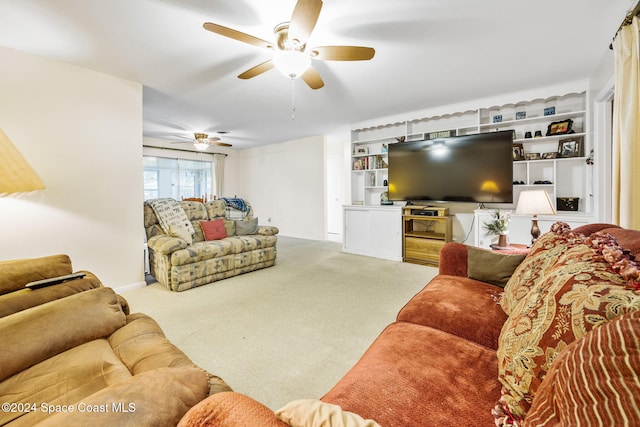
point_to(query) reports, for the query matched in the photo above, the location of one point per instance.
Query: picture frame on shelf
(533, 156)
(549, 155)
(518, 152)
(549, 111)
(497, 118)
(521, 115)
(361, 150)
(570, 147)
(562, 127)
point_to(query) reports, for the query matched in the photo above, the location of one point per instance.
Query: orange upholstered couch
(464, 351)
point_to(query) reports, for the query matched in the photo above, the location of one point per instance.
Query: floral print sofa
(182, 261)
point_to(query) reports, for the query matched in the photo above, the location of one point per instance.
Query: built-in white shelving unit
(544, 163)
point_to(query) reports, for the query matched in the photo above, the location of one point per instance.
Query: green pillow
(491, 267)
(245, 228)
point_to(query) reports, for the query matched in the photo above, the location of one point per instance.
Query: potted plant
(499, 226)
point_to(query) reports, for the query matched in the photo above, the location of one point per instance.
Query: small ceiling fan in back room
(201, 141)
(290, 53)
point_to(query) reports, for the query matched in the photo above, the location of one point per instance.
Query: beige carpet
(290, 331)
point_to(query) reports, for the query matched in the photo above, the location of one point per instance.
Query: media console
(425, 230)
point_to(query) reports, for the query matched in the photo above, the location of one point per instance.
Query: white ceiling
(428, 53)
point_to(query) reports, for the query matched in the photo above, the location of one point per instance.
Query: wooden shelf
(424, 236)
(427, 235)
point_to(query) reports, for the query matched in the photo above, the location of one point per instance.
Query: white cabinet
(373, 231)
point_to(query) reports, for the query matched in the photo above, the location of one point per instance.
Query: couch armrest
(454, 259)
(267, 230)
(24, 298)
(166, 244)
(230, 409)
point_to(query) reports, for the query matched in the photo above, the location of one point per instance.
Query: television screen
(471, 168)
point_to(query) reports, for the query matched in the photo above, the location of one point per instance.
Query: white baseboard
(130, 287)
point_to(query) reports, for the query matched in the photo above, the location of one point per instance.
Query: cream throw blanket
(315, 413)
(170, 212)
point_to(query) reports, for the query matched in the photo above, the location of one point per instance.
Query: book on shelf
(370, 162)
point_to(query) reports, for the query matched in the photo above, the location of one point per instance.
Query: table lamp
(16, 175)
(534, 202)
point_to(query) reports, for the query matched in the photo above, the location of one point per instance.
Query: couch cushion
(627, 239)
(15, 274)
(581, 292)
(413, 375)
(491, 267)
(142, 346)
(201, 251)
(35, 334)
(65, 378)
(600, 371)
(221, 410)
(460, 306)
(241, 244)
(154, 398)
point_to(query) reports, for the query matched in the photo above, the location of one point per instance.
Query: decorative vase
(503, 242)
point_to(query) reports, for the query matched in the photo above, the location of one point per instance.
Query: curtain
(218, 174)
(626, 128)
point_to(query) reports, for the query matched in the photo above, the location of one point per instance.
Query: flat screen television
(470, 168)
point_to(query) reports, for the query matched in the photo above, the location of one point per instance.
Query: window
(176, 178)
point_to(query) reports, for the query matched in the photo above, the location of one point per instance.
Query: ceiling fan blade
(184, 137)
(342, 53)
(304, 18)
(312, 78)
(258, 69)
(237, 35)
(222, 144)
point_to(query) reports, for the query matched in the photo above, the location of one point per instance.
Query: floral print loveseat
(183, 260)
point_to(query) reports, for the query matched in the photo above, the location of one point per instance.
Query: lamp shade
(535, 202)
(16, 175)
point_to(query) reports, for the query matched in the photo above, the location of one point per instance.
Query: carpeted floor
(290, 331)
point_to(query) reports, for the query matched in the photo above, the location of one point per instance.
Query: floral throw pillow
(583, 290)
(530, 272)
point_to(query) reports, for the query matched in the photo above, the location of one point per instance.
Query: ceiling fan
(290, 54)
(201, 141)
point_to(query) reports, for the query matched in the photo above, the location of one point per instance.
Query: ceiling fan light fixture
(291, 63)
(200, 146)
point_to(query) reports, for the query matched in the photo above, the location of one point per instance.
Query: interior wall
(82, 133)
(285, 184)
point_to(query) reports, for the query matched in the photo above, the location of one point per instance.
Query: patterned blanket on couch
(237, 208)
(170, 212)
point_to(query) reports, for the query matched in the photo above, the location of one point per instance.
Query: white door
(334, 210)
